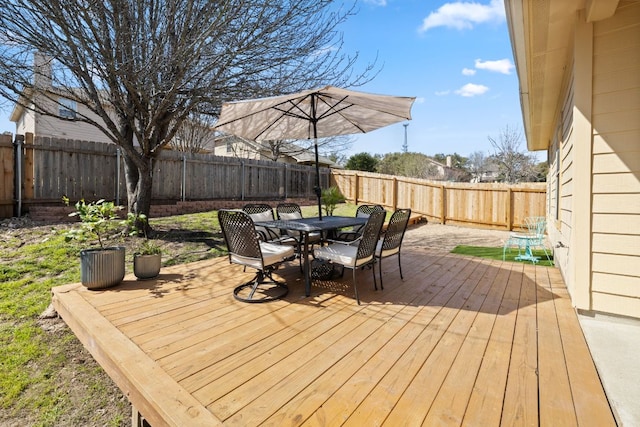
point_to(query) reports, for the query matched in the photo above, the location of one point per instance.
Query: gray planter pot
(102, 268)
(146, 266)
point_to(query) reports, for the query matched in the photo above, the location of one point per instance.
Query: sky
(454, 57)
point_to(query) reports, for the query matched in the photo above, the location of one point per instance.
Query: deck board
(460, 341)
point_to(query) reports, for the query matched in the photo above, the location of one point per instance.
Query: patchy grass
(496, 253)
(47, 378)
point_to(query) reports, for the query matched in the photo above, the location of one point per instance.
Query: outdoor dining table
(309, 225)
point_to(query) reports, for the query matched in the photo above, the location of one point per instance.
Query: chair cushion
(286, 216)
(262, 216)
(341, 254)
(267, 233)
(314, 236)
(387, 252)
(271, 254)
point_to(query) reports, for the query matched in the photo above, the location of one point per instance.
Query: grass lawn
(47, 378)
(496, 253)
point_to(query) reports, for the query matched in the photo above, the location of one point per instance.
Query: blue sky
(455, 57)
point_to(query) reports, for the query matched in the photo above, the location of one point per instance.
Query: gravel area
(447, 237)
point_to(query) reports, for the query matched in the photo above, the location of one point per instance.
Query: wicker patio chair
(292, 211)
(390, 243)
(262, 212)
(363, 211)
(247, 250)
(356, 256)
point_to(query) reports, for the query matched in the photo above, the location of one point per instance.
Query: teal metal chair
(533, 238)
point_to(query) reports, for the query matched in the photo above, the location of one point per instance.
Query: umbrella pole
(317, 188)
(314, 121)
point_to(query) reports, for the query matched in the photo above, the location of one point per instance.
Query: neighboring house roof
(305, 156)
(299, 154)
(542, 37)
(18, 109)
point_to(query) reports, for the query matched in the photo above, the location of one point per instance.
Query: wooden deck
(461, 341)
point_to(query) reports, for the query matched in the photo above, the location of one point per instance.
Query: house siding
(615, 183)
(54, 127)
(560, 214)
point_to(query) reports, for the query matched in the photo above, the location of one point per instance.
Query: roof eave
(541, 37)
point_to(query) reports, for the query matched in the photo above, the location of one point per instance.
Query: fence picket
(498, 206)
(80, 169)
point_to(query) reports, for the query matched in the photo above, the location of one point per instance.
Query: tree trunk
(138, 176)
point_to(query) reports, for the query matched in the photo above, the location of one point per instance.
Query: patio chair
(292, 211)
(390, 243)
(526, 242)
(363, 211)
(247, 250)
(262, 212)
(356, 256)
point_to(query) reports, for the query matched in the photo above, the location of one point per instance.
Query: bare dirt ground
(80, 373)
(447, 237)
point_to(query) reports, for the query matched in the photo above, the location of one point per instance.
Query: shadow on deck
(461, 341)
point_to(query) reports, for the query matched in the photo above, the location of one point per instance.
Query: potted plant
(147, 258)
(330, 198)
(100, 267)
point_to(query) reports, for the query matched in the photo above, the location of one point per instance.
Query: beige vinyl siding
(53, 126)
(560, 230)
(26, 123)
(616, 163)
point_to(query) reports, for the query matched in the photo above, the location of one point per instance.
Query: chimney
(448, 161)
(42, 73)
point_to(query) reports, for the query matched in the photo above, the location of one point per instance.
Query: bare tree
(514, 163)
(195, 135)
(142, 67)
(477, 165)
(276, 149)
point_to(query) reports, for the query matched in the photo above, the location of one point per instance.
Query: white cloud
(443, 92)
(377, 2)
(468, 72)
(503, 66)
(471, 89)
(464, 15)
(419, 100)
(324, 51)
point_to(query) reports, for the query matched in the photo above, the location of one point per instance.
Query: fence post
(394, 203)
(118, 176)
(184, 177)
(443, 205)
(509, 210)
(286, 180)
(19, 141)
(28, 168)
(355, 189)
(242, 179)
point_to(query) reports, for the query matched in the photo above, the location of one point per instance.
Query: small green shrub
(330, 198)
(98, 219)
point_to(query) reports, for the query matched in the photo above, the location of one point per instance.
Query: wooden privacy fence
(7, 178)
(42, 170)
(52, 168)
(499, 206)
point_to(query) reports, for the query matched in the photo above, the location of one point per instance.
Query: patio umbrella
(315, 113)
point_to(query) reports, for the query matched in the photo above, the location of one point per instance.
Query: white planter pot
(146, 266)
(102, 268)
